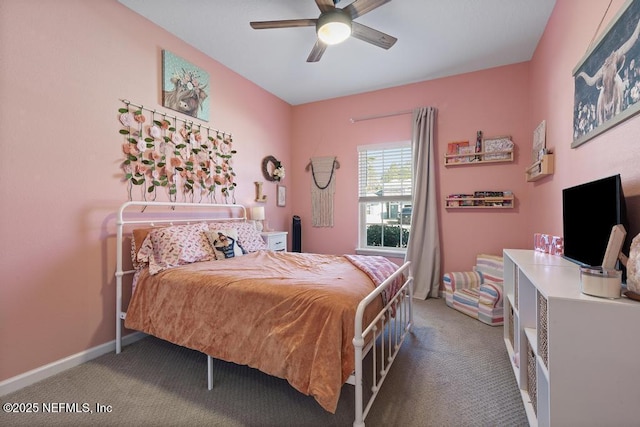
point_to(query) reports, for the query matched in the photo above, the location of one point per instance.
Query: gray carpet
(452, 371)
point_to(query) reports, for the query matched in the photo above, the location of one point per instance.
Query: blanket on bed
(378, 268)
(290, 315)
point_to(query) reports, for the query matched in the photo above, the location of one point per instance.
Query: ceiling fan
(334, 25)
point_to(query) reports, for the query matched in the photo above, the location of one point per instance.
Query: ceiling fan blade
(325, 5)
(285, 23)
(317, 51)
(360, 7)
(372, 36)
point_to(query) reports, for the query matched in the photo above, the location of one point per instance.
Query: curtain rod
(200, 126)
(380, 116)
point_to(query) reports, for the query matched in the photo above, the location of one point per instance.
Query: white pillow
(224, 243)
(248, 237)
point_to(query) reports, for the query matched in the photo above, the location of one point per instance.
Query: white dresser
(579, 356)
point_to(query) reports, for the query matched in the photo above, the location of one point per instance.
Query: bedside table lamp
(257, 214)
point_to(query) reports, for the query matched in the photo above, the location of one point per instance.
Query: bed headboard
(139, 214)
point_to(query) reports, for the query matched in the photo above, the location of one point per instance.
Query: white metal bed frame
(386, 331)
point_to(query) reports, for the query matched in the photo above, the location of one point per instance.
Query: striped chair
(477, 293)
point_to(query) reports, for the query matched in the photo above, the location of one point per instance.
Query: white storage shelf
(586, 373)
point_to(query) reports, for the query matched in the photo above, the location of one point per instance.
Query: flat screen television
(589, 212)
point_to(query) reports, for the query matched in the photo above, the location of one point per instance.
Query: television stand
(577, 355)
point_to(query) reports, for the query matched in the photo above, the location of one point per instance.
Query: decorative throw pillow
(145, 252)
(178, 245)
(248, 237)
(134, 256)
(224, 243)
(140, 247)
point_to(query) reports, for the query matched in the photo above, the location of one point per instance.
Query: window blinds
(385, 172)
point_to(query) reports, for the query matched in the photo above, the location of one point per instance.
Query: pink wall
(491, 101)
(60, 150)
(570, 30)
(65, 65)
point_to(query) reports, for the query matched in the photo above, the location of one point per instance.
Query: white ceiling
(436, 38)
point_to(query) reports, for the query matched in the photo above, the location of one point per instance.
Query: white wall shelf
(504, 202)
(481, 157)
(541, 168)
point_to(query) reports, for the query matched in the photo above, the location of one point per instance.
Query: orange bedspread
(289, 315)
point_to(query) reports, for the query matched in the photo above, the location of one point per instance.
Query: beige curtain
(423, 248)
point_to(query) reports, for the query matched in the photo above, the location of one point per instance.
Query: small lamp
(333, 27)
(257, 214)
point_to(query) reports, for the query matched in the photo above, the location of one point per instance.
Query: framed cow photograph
(185, 87)
(607, 79)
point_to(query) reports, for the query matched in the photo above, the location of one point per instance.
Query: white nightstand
(275, 240)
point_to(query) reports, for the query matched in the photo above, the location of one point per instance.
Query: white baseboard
(20, 381)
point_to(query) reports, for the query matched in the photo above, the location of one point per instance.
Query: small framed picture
(539, 142)
(281, 197)
(468, 149)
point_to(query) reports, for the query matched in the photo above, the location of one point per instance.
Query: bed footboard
(386, 331)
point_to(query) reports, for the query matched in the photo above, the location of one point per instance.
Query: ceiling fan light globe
(334, 27)
(334, 32)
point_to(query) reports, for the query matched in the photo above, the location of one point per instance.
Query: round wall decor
(272, 169)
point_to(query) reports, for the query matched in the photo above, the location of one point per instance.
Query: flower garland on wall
(185, 159)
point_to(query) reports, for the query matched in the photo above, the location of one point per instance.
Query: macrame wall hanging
(189, 161)
(323, 186)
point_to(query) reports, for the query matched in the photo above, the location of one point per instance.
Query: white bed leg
(359, 415)
(118, 334)
(209, 372)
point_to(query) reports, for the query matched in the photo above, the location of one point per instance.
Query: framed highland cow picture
(185, 87)
(607, 79)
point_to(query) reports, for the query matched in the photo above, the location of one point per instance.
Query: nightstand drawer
(279, 244)
(275, 240)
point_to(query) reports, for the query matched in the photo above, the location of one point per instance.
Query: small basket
(543, 349)
(531, 378)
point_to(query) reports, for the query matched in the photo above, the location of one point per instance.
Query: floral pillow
(178, 245)
(145, 252)
(134, 256)
(224, 243)
(248, 236)
(140, 247)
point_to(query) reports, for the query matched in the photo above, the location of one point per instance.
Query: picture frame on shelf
(470, 149)
(606, 80)
(502, 145)
(454, 148)
(281, 195)
(539, 142)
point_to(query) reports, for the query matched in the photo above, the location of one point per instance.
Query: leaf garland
(182, 160)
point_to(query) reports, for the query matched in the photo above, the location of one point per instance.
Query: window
(385, 184)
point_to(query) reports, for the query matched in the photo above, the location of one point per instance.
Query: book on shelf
(454, 148)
